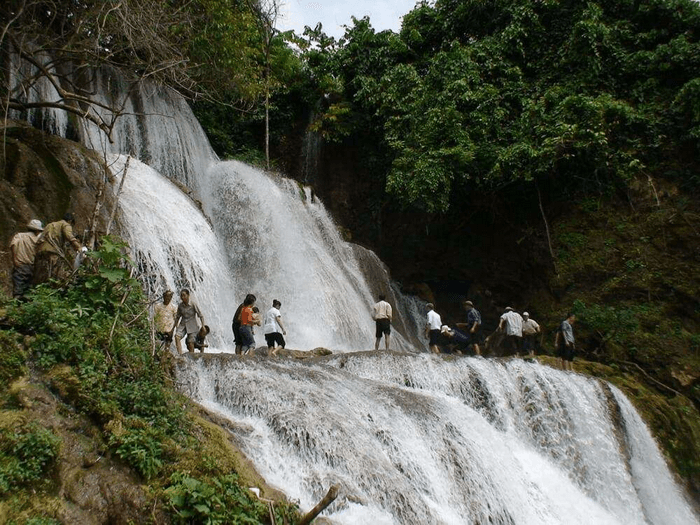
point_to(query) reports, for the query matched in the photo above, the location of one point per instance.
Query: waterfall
(411, 437)
(418, 439)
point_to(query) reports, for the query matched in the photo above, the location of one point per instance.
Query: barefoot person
(186, 322)
(432, 328)
(273, 328)
(382, 317)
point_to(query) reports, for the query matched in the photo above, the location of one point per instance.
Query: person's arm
(279, 322)
(389, 313)
(178, 316)
(501, 323)
(68, 232)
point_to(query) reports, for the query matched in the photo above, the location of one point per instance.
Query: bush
(221, 500)
(26, 453)
(14, 358)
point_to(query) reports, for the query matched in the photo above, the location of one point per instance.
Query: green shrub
(26, 453)
(14, 358)
(221, 500)
(141, 448)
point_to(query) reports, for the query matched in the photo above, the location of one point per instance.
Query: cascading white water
(267, 238)
(417, 439)
(411, 438)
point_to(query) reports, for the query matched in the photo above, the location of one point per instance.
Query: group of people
(519, 333)
(247, 317)
(181, 323)
(466, 336)
(39, 254)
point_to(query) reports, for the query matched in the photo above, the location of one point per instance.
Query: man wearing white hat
(23, 250)
(530, 331)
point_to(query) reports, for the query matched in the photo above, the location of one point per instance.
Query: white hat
(525, 314)
(445, 328)
(35, 224)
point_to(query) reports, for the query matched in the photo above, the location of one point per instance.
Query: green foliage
(217, 501)
(141, 448)
(14, 358)
(483, 94)
(91, 340)
(95, 326)
(27, 452)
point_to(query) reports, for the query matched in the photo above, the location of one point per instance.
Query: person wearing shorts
(382, 316)
(273, 328)
(186, 322)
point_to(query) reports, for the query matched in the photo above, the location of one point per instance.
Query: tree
(200, 47)
(476, 93)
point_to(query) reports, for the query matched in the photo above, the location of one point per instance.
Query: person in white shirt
(382, 316)
(164, 315)
(273, 328)
(511, 324)
(530, 331)
(432, 328)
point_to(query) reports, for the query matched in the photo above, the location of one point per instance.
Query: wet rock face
(42, 177)
(88, 485)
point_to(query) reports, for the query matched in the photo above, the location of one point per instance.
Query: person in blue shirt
(472, 327)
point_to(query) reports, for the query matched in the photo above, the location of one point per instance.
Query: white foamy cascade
(417, 439)
(267, 238)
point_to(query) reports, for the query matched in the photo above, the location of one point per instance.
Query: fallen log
(327, 500)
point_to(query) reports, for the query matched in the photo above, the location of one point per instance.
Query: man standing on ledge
(382, 318)
(186, 318)
(164, 315)
(472, 326)
(23, 249)
(432, 328)
(565, 343)
(273, 328)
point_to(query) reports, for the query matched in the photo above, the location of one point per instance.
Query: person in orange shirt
(247, 322)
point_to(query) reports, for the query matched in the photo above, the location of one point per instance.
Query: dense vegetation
(474, 93)
(89, 342)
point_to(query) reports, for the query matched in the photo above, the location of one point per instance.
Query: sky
(383, 14)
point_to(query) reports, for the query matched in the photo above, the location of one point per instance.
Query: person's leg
(387, 337)
(248, 342)
(376, 343)
(178, 344)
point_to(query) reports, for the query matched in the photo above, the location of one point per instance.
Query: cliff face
(42, 177)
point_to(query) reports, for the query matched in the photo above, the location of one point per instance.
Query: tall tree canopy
(475, 92)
